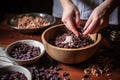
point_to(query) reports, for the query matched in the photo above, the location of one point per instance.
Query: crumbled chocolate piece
(87, 70)
(97, 69)
(29, 22)
(109, 74)
(85, 76)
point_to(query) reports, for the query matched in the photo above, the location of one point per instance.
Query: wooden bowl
(69, 56)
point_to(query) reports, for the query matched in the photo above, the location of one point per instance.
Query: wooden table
(8, 35)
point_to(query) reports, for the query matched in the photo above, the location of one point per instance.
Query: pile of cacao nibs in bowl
(70, 40)
(65, 47)
(14, 72)
(25, 52)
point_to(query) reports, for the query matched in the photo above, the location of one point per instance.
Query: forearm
(64, 2)
(110, 5)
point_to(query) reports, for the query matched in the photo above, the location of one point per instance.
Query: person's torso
(85, 7)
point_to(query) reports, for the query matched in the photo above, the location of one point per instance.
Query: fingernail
(77, 34)
(84, 34)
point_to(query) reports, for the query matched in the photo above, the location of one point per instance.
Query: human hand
(71, 17)
(98, 19)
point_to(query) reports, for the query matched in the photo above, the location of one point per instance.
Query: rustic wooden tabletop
(76, 71)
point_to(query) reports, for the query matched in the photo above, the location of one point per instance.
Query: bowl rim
(22, 41)
(9, 22)
(69, 49)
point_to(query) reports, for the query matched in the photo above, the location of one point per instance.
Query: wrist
(65, 2)
(110, 5)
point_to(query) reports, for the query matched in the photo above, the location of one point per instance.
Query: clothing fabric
(85, 7)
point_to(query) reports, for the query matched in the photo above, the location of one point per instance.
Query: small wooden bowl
(69, 56)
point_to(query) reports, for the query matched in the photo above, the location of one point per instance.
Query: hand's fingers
(90, 28)
(87, 24)
(77, 19)
(98, 27)
(71, 26)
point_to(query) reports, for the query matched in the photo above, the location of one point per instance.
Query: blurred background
(24, 6)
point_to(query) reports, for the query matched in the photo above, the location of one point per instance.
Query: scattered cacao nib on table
(65, 74)
(47, 69)
(49, 73)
